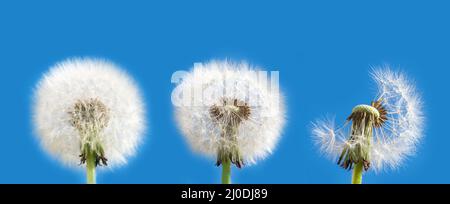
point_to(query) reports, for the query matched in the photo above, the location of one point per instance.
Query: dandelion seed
(230, 115)
(88, 112)
(381, 134)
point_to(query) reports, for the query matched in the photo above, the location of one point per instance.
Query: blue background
(323, 50)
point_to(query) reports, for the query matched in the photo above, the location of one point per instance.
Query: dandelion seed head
(85, 102)
(231, 113)
(383, 134)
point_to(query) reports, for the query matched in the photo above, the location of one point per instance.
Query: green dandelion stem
(357, 173)
(226, 172)
(90, 167)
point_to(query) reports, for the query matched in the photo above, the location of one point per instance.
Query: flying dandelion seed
(230, 115)
(88, 112)
(382, 134)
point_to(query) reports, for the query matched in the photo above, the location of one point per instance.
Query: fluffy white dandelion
(88, 111)
(380, 135)
(229, 113)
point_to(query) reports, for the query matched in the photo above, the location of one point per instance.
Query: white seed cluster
(92, 103)
(223, 123)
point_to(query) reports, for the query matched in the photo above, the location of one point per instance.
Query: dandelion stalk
(90, 167)
(226, 172)
(357, 173)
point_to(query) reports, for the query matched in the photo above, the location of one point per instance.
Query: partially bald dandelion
(88, 112)
(229, 114)
(379, 135)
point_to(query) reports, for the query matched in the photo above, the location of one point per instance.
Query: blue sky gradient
(323, 50)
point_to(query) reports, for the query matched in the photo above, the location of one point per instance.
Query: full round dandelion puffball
(227, 112)
(381, 135)
(88, 105)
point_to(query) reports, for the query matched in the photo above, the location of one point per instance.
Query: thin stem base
(226, 172)
(90, 168)
(357, 173)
